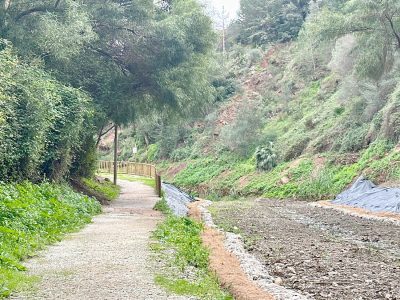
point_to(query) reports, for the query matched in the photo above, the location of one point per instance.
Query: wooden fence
(132, 168)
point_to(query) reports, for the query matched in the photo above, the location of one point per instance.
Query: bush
(152, 152)
(353, 140)
(266, 158)
(254, 56)
(41, 121)
(295, 150)
(244, 134)
(391, 122)
(180, 154)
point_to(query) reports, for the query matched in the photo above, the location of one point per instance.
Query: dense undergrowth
(308, 177)
(31, 217)
(44, 124)
(185, 270)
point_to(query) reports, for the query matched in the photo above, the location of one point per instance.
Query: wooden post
(115, 154)
(158, 185)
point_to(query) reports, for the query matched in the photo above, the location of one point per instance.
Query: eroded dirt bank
(225, 265)
(320, 252)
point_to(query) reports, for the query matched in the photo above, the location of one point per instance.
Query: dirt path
(109, 259)
(320, 252)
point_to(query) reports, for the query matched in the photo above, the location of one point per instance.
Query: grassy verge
(132, 178)
(185, 271)
(31, 217)
(106, 188)
(162, 206)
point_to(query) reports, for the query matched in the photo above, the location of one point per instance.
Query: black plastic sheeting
(177, 200)
(364, 194)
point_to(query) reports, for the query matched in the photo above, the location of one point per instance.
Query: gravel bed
(253, 268)
(319, 252)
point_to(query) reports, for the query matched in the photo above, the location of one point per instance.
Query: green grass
(182, 236)
(132, 178)
(31, 217)
(106, 188)
(200, 171)
(162, 206)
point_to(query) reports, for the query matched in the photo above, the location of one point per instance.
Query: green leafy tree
(132, 57)
(375, 25)
(269, 21)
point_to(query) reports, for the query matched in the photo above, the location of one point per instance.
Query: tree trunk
(115, 154)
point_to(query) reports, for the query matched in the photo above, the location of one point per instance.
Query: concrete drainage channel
(254, 269)
(177, 200)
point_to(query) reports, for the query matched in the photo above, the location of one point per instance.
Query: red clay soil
(226, 266)
(174, 170)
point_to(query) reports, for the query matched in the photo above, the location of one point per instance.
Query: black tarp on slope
(365, 194)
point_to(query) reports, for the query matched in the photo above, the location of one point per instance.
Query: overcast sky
(231, 6)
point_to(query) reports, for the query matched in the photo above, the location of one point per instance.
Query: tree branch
(34, 10)
(396, 34)
(103, 133)
(118, 62)
(117, 28)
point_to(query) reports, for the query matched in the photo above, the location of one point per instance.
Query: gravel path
(322, 253)
(109, 259)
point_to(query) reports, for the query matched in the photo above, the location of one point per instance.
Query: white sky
(231, 7)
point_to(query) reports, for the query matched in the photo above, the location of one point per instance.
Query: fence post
(158, 185)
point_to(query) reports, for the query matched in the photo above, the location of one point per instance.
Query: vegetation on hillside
(32, 216)
(318, 91)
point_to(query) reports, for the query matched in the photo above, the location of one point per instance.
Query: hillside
(287, 103)
(325, 132)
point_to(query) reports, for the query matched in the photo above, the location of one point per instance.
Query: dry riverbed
(319, 252)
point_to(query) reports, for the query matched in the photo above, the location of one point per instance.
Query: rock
(278, 281)
(285, 180)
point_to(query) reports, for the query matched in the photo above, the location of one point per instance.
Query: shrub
(295, 150)
(41, 122)
(353, 140)
(254, 56)
(152, 152)
(243, 135)
(391, 121)
(266, 158)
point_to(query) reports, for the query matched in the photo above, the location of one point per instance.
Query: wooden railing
(132, 168)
